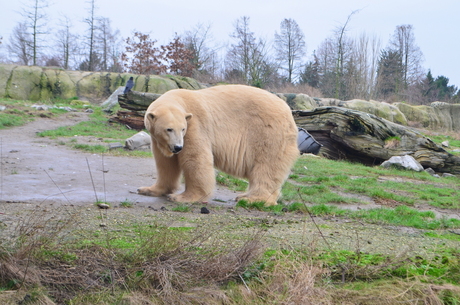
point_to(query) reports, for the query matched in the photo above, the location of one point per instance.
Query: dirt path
(38, 170)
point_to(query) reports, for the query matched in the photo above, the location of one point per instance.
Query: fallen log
(137, 101)
(358, 136)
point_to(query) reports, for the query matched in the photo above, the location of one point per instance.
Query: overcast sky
(436, 24)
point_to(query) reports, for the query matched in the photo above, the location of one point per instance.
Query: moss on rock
(5, 75)
(25, 83)
(380, 109)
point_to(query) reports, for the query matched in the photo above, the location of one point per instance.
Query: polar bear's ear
(188, 116)
(150, 116)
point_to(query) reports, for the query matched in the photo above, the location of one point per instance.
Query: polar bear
(243, 131)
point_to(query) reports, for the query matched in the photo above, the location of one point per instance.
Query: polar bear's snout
(176, 149)
(176, 141)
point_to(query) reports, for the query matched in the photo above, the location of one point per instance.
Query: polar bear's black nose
(177, 148)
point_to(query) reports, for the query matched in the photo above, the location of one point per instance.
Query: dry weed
(393, 293)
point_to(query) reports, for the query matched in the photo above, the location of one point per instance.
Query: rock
(48, 107)
(2, 108)
(69, 109)
(445, 144)
(112, 100)
(204, 210)
(406, 162)
(430, 171)
(446, 175)
(140, 140)
(42, 107)
(103, 206)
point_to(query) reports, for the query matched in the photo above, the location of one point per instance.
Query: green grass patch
(231, 182)
(448, 236)
(438, 139)
(127, 203)
(318, 180)
(98, 126)
(406, 216)
(443, 267)
(182, 208)
(12, 120)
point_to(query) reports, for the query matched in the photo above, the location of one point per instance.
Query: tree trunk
(358, 136)
(137, 101)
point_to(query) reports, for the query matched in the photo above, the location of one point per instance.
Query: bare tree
(403, 41)
(248, 57)
(239, 53)
(36, 20)
(290, 47)
(326, 58)
(107, 42)
(204, 56)
(20, 44)
(91, 60)
(343, 47)
(66, 43)
(196, 41)
(365, 54)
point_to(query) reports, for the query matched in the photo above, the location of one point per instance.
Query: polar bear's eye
(169, 129)
(183, 129)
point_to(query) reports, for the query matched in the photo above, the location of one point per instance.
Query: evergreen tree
(390, 74)
(310, 74)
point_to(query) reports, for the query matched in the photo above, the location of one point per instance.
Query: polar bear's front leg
(199, 176)
(168, 174)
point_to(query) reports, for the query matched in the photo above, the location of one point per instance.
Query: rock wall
(42, 83)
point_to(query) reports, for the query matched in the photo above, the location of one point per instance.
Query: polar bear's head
(168, 126)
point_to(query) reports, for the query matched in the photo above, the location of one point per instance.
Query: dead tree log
(137, 103)
(358, 136)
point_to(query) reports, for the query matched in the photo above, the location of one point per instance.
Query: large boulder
(24, 83)
(438, 115)
(298, 101)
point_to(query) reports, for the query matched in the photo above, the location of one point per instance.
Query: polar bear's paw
(152, 191)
